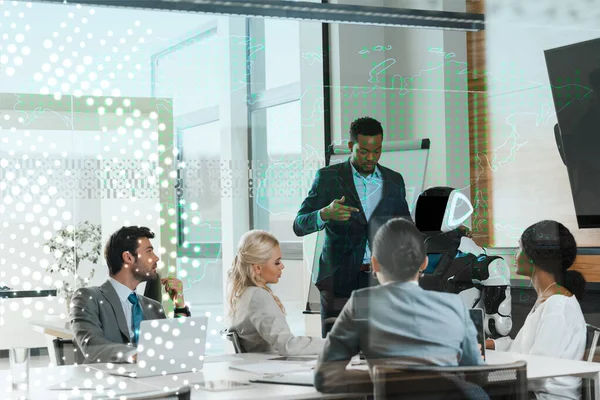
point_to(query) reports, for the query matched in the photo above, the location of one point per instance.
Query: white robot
(457, 264)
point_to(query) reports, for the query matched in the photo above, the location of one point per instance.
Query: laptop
(167, 346)
(478, 319)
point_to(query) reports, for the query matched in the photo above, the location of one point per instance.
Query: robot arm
(492, 275)
(497, 307)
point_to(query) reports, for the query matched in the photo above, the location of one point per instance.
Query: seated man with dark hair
(106, 319)
(397, 320)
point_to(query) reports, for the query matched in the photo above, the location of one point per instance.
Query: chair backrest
(591, 344)
(67, 352)
(391, 381)
(233, 338)
(593, 332)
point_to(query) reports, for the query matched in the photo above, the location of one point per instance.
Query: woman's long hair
(255, 247)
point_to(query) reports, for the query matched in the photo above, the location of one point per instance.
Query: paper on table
(84, 384)
(305, 378)
(269, 368)
(221, 358)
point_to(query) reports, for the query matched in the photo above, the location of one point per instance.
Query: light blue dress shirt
(370, 191)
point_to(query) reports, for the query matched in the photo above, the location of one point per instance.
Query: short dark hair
(365, 126)
(399, 248)
(125, 239)
(550, 246)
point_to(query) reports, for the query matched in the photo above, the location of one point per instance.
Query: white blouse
(556, 328)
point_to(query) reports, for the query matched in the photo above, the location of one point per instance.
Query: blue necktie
(136, 316)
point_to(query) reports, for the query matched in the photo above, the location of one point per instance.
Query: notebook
(305, 378)
(272, 368)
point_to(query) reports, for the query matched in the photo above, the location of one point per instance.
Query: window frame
(267, 98)
(182, 122)
(199, 118)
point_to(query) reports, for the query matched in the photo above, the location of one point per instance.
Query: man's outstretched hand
(337, 211)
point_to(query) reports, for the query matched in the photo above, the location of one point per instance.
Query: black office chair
(593, 333)
(67, 352)
(182, 393)
(394, 381)
(234, 338)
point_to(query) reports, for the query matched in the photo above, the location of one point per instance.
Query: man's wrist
(182, 311)
(323, 215)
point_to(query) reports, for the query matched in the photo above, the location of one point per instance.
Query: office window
(278, 191)
(200, 192)
(282, 52)
(190, 72)
(276, 131)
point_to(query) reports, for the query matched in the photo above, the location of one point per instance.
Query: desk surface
(18, 294)
(539, 367)
(61, 328)
(41, 379)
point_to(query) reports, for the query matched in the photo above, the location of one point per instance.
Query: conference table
(539, 367)
(218, 368)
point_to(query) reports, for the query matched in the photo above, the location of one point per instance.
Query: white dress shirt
(556, 328)
(123, 292)
(411, 281)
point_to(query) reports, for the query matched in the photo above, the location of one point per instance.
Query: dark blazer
(99, 324)
(346, 241)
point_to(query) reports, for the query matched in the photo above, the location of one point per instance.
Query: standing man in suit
(106, 319)
(350, 201)
(397, 320)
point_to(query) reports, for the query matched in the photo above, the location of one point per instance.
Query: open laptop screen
(478, 318)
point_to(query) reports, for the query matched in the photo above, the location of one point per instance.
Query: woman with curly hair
(555, 326)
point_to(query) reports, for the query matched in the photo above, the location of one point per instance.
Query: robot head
(441, 208)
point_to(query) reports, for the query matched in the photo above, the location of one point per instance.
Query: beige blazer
(262, 327)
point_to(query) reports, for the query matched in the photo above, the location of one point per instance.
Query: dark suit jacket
(346, 241)
(99, 324)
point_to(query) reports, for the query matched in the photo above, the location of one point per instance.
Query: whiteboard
(409, 158)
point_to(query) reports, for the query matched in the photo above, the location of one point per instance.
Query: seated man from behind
(106, 319)
(397, 320)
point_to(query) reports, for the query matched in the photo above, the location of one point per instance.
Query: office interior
(202, 126)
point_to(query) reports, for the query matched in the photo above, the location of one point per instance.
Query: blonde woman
(257, 315)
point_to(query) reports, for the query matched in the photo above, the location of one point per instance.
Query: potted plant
(70, 246)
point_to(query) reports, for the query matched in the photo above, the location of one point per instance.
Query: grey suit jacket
(398, 322)
(262, 327)
(99, 324)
